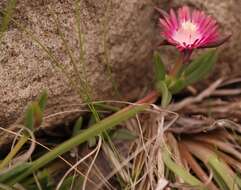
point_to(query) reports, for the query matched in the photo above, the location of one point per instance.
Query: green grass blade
(106, 49)
(159, 67)
(202, 66)
(7, 17)
(42, 101)
(78, 126)
(181, 172)
(29, 117)
(166, 95)
(223, 171)
(23, 139)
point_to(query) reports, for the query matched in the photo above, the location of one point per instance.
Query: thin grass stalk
(55, 63)
(138, 164)
(68, 50)
(80, 37)
(74, 166)
(155, 129)
(98, 147)
(7, 17)
(23, 139)
(141, 158)
(123, 174)
(83, 82)
(82, 53)
(83, 85)
(172, 142)
(37, 181)
(106, 50)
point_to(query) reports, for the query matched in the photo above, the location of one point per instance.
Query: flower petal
(189, 29)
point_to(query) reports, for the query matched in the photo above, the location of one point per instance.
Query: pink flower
(188, 30)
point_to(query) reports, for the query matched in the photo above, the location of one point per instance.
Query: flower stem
(93, 131)
(23, 139)
(176, 68)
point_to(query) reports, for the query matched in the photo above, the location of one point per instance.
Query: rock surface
(122, 30)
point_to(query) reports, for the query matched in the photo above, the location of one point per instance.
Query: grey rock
(127, 27)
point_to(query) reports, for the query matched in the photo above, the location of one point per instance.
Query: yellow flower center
(187, 33)
(189, 27)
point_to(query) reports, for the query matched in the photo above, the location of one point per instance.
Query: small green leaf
(33, 116)
(166, 95)
(43, 100)
(123, 134)
(92, 142)
(159, 67)
(177, 86)
(29, 117)
(193, 65)
(92, 120)
(169, 80)
(200, 68)
(78, 126)
(38, 114)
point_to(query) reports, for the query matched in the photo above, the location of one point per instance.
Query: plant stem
(93, 131)
(176, 68)
(23, 139)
